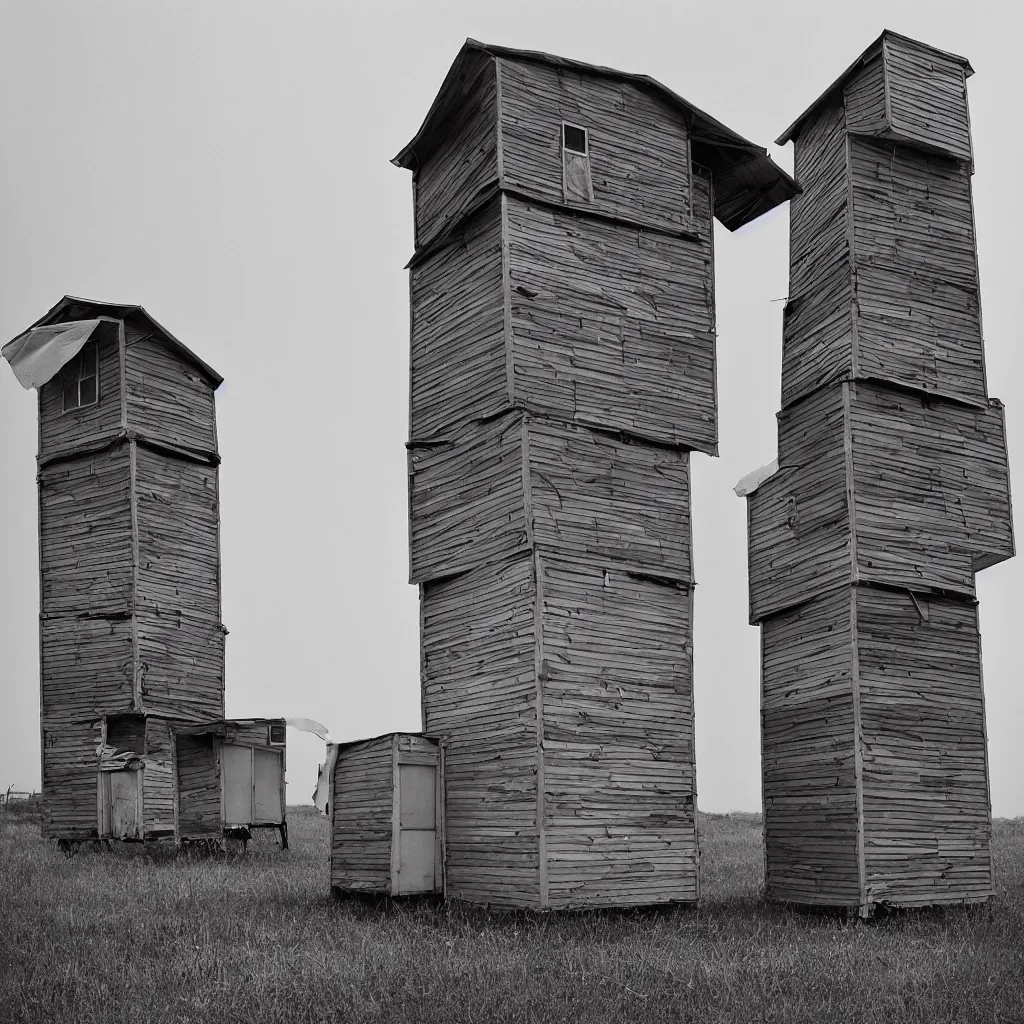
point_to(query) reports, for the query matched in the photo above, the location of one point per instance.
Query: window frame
(94, 348)
(585, 151)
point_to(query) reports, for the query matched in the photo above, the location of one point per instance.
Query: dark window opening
(574, 139)
(277, 734)
(80, 380)
(127, 732)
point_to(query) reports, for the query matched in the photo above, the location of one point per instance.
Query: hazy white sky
(226, 166)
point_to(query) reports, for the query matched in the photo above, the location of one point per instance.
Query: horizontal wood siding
(932, 489)
(168, 398)
(927, 97)
(591, 495)
(86, 668)
(70, 764)
(638, 149)
(604, 500)
(158, 779)
(918, 312)
(86, 535)
(361, 816)
(479, 689)
(181, 666)
(613, 326)
(798, 520)
(198, 781)
(864, 99)
(458, 329)
(62, 432)
(466, 499)
(466, 159)
(178, 519)
(808, 758)
(619, 801)
(818, 322)
(927, 827)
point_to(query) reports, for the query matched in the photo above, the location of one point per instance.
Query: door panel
(416, 786)
(125, 812)
(416, 861)
(236, 779)
(267, 786)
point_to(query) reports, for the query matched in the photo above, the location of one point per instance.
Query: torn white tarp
(323, 782)
(752, 481)
(37, 355)
(308, 725)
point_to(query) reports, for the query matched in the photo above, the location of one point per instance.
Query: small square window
(277, 735)
(574, 139)
(80, 380)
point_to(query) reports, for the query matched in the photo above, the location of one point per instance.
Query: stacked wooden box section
(563, 368)
(892, 491)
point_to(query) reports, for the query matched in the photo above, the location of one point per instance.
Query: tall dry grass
(148, 937)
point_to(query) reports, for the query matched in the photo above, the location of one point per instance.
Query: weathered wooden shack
(386, 808)
(229, 779)
(131, 640)
(562, 370)
(891, 492)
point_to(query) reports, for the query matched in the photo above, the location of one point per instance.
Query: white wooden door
(417, 826)
(266, 765)
(236, 785)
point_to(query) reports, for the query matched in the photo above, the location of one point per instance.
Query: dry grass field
(149, 937)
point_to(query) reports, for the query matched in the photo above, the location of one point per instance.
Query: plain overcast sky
(226, 166)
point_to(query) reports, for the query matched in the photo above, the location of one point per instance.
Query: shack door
(236, 783)
(122, 800)
(417, 784)
(266, 790)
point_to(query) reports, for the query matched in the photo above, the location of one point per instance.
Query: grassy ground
(149, 937)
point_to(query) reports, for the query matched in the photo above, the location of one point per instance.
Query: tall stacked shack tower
(892, 491)
(563, 369)
(130, 634)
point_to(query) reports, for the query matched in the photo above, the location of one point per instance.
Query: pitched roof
(869, 54)
(747, 181)
(73, 308)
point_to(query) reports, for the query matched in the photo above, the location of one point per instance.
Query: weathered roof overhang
(748, 182)
(73, 308)
(868, 55)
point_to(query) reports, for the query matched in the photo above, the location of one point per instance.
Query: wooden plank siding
(465, 159)
(619, 783)
(638, 145)
(69, 785)
(808, 755)
(521, 482)
(479, 690)
(197, 778)
(158, 779)
(361, 816)
(457, 358)
(930, 489)
(169, 401)
(927, 97)
(612, 326)
(85, 532)
(817, 329)
(927, 824)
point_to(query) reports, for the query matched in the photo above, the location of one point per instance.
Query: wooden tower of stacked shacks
(563, 368)
(131, 640)
(892, 491)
